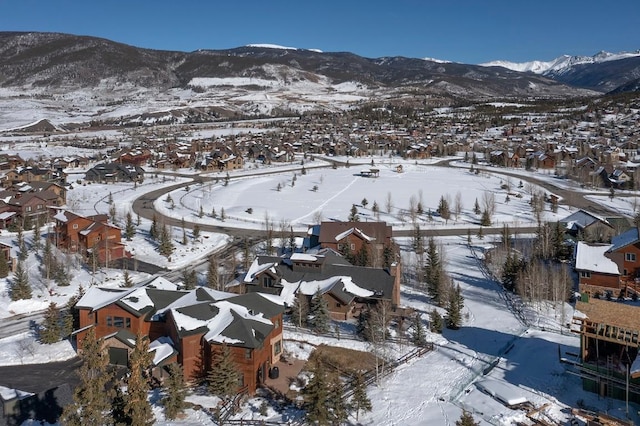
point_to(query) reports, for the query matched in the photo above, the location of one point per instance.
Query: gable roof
(378, 231)
(582, 219)
(591, 258)
(626, 238)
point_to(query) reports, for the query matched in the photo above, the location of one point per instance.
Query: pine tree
(375, 208)
(22, 247)
(476, 207)
(93, 396)
(364, 202)
(153, 231)
(436, 321)
(223, 376)
(360, 401)
(189, 279)
(510, 271)
(353, 214)
(419, 338)
(70, 316)
(480, 233)
(4, 266)
(454, 308)
(201, 212)
(466, 419)
(175, 392)
(47, 260)
(319, 313)
(20, 287)
(196, 231)
(316, 396)
(36, 244)
(165, 246)
(338, 407)
(223, 216)
(485, 220)
(50, 331)
(137, 406)
(129, 229)
(433, 271)
(443, 209)
(126, 279)
(213, 276)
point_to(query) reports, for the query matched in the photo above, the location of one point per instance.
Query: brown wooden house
(195, 323)
(346, 288)
(610, 268)
(83, 234)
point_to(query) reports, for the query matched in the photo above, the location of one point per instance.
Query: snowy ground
(431, 390)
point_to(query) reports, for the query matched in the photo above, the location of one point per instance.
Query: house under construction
(610, 335)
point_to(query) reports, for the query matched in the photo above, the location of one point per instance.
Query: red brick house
(195, 324)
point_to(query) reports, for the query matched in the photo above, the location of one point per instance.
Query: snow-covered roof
(303, 257)
(162, 349)
(504, 392)
(256, 269)
(350, 231)
(592, 258)
(96, 297)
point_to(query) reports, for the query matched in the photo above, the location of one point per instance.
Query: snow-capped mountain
(69, 79)
(604, 71)
(560, 63)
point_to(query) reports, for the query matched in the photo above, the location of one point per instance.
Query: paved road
(40, 377)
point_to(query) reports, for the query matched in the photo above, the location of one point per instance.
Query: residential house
(612, 269)
(189, 327)
(609, 338)
(587, 226)
(346, 288)
(114, 172)
(34, 174)
(89, 234)
(354, 237)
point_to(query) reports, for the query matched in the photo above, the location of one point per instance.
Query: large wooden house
(609, 346)
(346, 288)
(190, 326)
(89, 234)
(354, 237)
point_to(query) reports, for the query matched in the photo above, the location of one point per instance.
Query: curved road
(143, 206)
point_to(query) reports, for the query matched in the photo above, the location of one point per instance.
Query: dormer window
(630, 257)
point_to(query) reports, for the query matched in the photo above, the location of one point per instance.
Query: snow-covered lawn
(431, 390)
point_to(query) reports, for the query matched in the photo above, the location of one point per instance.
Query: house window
(75, 226)
(585, 274)
(247, 353)
(630, 257)
(277, 324)
(353, 246)
(120, 322)
(267, 281)
(277, 347)
(338, 304)
(109, 321)
(241, 380)
(28, 208)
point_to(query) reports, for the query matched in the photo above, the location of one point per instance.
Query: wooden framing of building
(609, 341)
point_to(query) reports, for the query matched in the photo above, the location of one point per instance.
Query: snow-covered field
(431, 390)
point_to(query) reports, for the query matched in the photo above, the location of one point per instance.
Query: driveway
(41, 377)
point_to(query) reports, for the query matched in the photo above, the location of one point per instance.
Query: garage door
(118, 356)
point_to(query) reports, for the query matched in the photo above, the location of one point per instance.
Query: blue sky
(468, 31)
